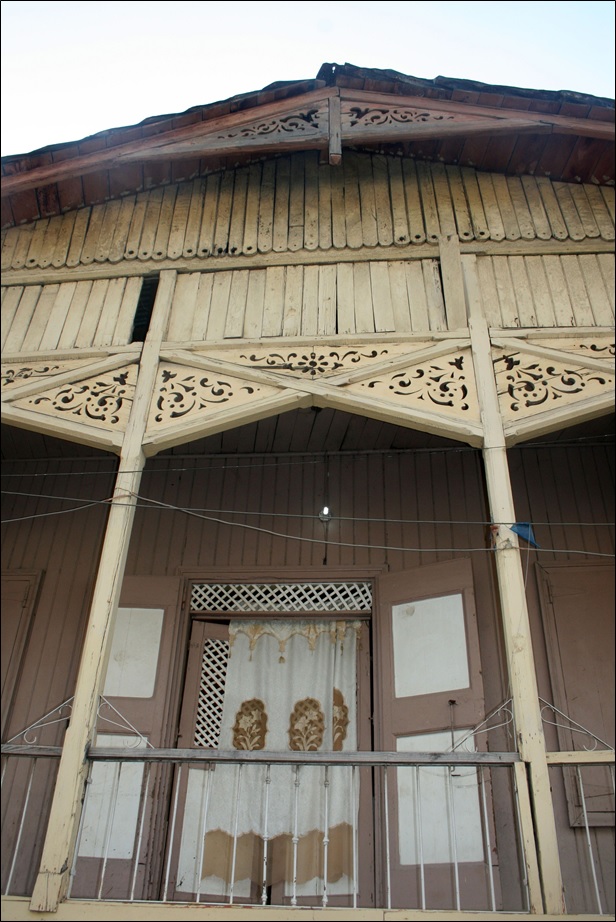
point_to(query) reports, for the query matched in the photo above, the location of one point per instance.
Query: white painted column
(57, 858)
(514, 611)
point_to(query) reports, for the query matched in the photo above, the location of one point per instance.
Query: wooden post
(57, 858)
(516, 625)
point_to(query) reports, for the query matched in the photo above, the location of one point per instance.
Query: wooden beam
(136, 268)
(585, 757)
(574, 413)
(60, 840)
(216, 136)
(184, 140)
(585, 359)
(335, 132)
(582, 127)
(86, 370)
(187, 430)
(16, 909)
(403, 131)
(80, 433)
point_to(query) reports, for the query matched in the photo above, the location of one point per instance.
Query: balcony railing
(436, 831)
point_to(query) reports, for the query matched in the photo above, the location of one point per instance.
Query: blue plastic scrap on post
(525, 530)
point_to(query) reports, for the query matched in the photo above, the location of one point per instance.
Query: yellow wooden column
(57, 858)
(514, 610)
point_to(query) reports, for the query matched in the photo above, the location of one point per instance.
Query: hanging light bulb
(325, 514)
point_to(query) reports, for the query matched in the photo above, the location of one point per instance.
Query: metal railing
(427, 830)
(586, 856)
(432, 836)
(28, 781)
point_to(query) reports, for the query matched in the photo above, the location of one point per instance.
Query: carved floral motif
(533, 384)
(386, 116)
(300, 121)
(181, 395)
(443, 385)
(313, 363)
(104, 399)
(306, 726)
(250, 727)
(13, 375)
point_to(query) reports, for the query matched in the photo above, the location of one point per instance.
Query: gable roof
(564, 135)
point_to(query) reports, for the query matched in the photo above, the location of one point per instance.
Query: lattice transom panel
(281, 597)
(211, 693)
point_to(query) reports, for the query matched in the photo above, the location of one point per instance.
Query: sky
(71, 69)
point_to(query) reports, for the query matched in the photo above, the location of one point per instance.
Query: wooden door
(430, 697)
(25, 782)
(578, 614)
(18, 595)
(122, 836)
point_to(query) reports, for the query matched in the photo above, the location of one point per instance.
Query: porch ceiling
(298, 431)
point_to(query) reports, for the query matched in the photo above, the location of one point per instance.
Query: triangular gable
(323, 119)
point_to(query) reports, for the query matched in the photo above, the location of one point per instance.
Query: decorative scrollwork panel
(314, 362)
(597, 347)
(18, 373)
(445, 385)
(182, 392)
(303, 123)
(366, 116)
(104, 400)
(528, 385)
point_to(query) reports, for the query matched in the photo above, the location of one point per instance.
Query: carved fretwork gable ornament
(442, 384)
(389, 115)
(541, 389)
(308, 122)
(596, 347)
(86, 400)
(316, 363)
(104, 400)
(15, 374)
(532, 385)
(420, 385)
(183, 393)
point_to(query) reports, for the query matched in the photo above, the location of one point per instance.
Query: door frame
(365, 677)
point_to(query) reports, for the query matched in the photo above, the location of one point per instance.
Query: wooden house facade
(307, 404)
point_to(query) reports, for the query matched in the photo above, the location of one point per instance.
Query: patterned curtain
(290, 685)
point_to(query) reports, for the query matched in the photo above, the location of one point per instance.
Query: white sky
(71, 69)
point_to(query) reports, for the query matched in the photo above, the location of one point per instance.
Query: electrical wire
(295, 515)
(284, 458)
(287, 537)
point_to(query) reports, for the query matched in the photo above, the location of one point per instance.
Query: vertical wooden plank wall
(294, 203)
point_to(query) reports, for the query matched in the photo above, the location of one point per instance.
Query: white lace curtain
(290, 685)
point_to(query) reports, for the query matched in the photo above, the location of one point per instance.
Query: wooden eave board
(382, 119)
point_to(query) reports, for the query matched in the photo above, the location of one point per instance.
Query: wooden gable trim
(307, 119)
(560, 124)
(211, 137)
